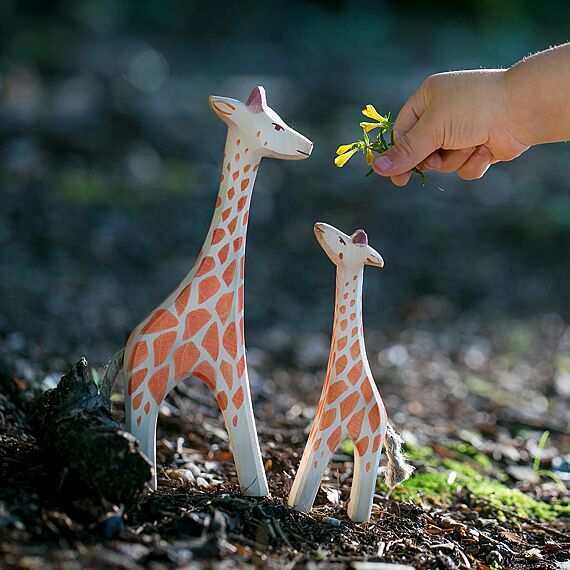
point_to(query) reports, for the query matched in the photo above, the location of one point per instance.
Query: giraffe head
(344, 250)
(263, 128)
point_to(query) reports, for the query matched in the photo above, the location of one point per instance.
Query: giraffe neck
(348, 308)
(231, 214)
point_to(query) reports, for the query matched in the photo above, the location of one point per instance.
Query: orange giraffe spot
(139, 420)
(242, 266)
(138, 355)
(230, 340)
(347, 284)
(352, 303)
(354, 331)
(232, 225)
(238, 142)
(147, 408)
(348, 405)
(317, 444)
(240, 300)
(182, 300)
(137, 400)
(355, 350)
(241, 366)
(354, 426)
(246, 167)
(374, 418)
(231, 193)
(341, 343)
(157, 384)
(355, 373)
(235, 175)
(342, 309)
(195, 320)
(352, 316)
(237, 243)
(226, 213)
(335, 391)
(218, 202)
(228, 166)
(136, 380)
(223, 253)
(222, 399)
(206, 374)
(223, 306)
(241, 203)
(244, 184)
(207, 263)
(327, 419)
(241, 331)
(366, 390)
(236, 157)
(362, 445)
(343, 324)
(258, 134)
(185, 357)
(354, 277)
(368, 467)
(222, 178)
(315, 463)
(245, 217)
(211, 341)
(160, 320)
(237, 398)
(207, 288)
(228, 373)
(376, 444)
(334, 439)
(340, 364)
(235, 421)
(217, 236)
(228, 274)
(246, 150)
(162, 345)
(345, 296)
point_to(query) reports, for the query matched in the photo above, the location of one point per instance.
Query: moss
(444, 480)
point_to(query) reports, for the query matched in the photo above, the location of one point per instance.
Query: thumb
(408, 151)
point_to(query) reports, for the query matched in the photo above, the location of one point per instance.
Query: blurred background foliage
(109, 161)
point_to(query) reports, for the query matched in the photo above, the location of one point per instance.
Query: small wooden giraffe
(198, 330)
(350, 404)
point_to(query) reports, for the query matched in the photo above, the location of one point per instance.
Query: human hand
(455, 122)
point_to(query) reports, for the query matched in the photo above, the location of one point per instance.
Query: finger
(401, 179)
(432, 162)
(452, 160)
(409, 114)
(408, 151)
(476, 165)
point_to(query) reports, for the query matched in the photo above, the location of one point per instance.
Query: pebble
(201, 482)
(182, 474)
(330, 520)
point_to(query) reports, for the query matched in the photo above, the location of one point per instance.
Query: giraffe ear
(373, 258)
(256, 102)
(223, 106)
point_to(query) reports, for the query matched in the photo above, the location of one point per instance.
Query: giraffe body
(198, 330)
(350, 404)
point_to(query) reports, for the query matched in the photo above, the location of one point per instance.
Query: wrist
(519, 113)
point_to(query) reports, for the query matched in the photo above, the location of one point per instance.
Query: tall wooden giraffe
(350, 404)
(198, 330)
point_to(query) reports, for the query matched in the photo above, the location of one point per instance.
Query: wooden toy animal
(350, 404)
(198, 330)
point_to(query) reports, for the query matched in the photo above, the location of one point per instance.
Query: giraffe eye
(341, 241)
(278, 127)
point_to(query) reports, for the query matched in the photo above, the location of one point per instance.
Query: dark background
(110, 156)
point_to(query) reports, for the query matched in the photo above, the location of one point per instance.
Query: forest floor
(490, 488)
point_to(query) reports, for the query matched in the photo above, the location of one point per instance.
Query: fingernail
(383, 163)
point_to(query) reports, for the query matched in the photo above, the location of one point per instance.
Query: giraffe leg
(363, 484)
(309, 476)
(143, 427)
(240, 425)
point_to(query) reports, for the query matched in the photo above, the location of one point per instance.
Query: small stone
(181, 474)
(201, 482)
(331, 520)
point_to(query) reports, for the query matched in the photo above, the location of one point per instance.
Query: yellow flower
(369, 156)
(341, 160)
(344, 148)
(369, 126)
(370, 112)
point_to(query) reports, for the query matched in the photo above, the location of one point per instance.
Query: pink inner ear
(256, 101)
(359, 237)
